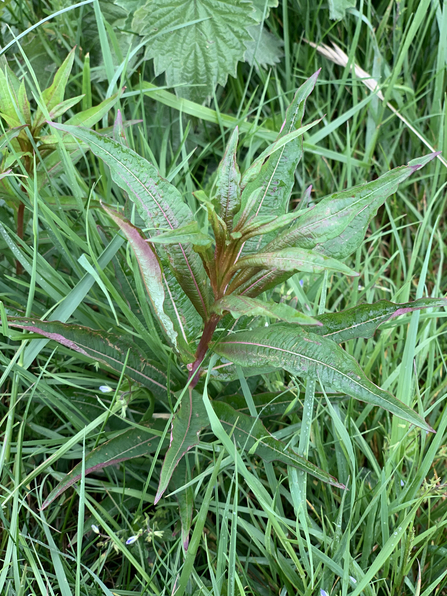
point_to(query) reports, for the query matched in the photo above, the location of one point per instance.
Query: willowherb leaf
(10, 86)
(241, 305)
(150, 271)
(308, 355)
(132, 443)
(54, 95)
(158, 202)
(276, 177)
(363, 320)
(228, 179)
(91, 116)
(336, 226)
(252, 436)
(267, 404)
(63, 106)
(189, 233)
(349, 210)
(185, 498)
(106, 348)
(189, 420)
(293, 259)
(197, 44)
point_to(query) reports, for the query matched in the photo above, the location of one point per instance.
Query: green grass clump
(257, 527)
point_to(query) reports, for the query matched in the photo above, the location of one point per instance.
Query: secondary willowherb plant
(196, 275)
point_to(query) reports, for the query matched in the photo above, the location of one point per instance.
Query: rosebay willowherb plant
(199, 276)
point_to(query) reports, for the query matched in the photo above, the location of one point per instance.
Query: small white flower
(354, 581)
(402, 483)
(105, 389)
(323, 592)
(131, 540)
(95, 529)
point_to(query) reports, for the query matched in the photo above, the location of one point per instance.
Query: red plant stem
(202, 348)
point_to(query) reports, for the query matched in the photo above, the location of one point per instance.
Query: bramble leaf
(132, 443)
(241, 305)
(158, 202)
(198, 44)
(308, 355)
(363, 320)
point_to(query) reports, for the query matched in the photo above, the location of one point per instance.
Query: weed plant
(228, 517)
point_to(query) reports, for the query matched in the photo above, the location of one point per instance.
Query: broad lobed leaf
(308, 355)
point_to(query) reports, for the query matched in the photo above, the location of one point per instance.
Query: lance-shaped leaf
(106, 348)
(363, 320)
(253, 171)
(337, 225)
(267, 404)
(63, 106)
(132, 443)
(228, 179)
(185, 498)
(54, 95)
(276, 177)
(241, 305)
(189, 233)
(150, 270)
(267, 223)
(10, 98)
(308, 355)
(252, 436)
(158, 202)
(293, 259)
(88, 118)
(190, 419)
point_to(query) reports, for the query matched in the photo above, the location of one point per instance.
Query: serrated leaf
(107, 348)
(190, 419)
(158, 202)
(130, 444)
(197, 44)
(241, 305)
(308, 355)
(276, 177)
(293, 259)
(252, 435)
(363, 320)
(228, 179)
(338, 8)
(261, 5)
(264, 51)
(190, 233)
(150, 270)
(54, 95)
